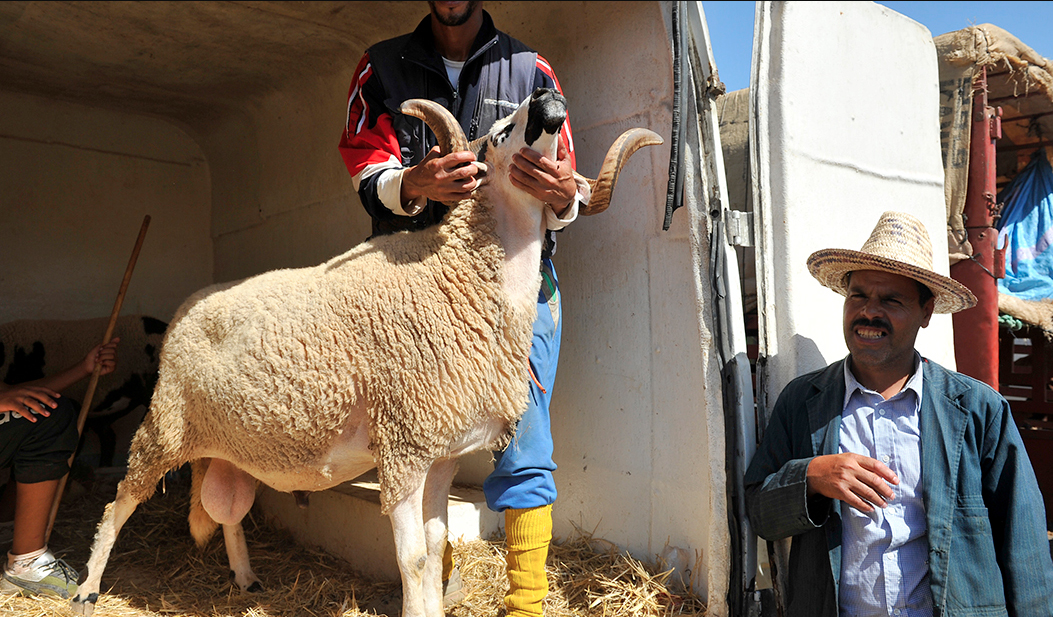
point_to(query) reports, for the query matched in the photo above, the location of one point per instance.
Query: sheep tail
(202, 527)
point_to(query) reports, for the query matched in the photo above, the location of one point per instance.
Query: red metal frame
(1025, 375)
(976, 329)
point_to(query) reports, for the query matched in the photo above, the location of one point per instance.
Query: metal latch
(739, 227)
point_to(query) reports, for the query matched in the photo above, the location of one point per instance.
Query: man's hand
(447, 179)
(855, 479)
(105, 355)
(27, 400)
(550, 181)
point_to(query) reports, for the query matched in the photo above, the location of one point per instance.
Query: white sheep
(402, 354)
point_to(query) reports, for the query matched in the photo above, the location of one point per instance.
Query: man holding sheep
(457, 58)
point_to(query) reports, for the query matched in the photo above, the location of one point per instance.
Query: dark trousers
(39, 451)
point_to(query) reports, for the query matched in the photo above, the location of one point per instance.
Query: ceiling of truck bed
(191, 60)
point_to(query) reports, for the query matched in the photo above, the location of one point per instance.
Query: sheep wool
(411, 329)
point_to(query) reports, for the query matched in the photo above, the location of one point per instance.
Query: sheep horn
(441, 122)
(629, 142)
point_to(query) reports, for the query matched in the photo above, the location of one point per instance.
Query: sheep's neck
(521, 227)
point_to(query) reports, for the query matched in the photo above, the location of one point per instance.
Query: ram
(402, 354)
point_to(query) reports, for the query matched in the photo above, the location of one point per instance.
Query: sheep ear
(479, 146)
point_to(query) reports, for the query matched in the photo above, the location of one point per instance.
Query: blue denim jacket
(982, 503)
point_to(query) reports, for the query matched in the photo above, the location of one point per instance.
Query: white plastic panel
(846, 126)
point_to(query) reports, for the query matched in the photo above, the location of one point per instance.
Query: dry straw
(156, 571)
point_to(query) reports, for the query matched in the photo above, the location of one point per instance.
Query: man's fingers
(456, 159)
(853, 478)
(466, 172)
(48, 392)
(858, 503)
(534, 164)
(873, 497)
(36, 403)
(879, 468)
(432, 154)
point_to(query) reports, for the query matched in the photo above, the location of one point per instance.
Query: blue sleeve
(1017, 515)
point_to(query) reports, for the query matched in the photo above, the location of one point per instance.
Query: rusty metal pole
(976, 329)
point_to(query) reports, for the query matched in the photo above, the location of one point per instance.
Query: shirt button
(881, 412)
(886, 458)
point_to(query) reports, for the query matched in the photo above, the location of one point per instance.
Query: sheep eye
(503, 134)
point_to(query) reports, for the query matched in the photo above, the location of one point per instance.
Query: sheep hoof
(83, 607)
(255, 587)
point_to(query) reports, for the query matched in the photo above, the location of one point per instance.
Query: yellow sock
(528, 534)
(447, 562)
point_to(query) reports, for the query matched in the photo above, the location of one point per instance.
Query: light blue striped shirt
(885, 553)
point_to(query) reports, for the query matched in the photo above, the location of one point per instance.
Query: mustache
(877, 322)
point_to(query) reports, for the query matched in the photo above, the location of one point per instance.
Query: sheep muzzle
(547, 113)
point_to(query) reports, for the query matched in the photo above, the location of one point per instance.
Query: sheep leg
(238, 558)
(436, 520)
(226, 494)
(113, 520)
(411, 551)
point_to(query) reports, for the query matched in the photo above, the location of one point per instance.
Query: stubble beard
(456, 19)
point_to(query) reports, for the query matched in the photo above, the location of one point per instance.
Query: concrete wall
(75, 184)
(282, 195)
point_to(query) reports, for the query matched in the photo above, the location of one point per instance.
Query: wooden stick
(90, 392)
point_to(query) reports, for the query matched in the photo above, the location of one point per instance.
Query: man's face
(882, 317)
(453, 13)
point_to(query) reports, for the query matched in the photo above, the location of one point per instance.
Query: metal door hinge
(739, 227)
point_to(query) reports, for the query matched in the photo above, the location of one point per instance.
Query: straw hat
(899, 244)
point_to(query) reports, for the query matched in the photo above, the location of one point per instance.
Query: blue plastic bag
(1026, 230)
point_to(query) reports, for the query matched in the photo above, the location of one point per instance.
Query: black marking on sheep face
(26, 366)
(547, 112)
(499, 137)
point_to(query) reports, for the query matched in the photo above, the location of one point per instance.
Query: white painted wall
(75, 184)
(635, 382)
(833, 158)
(282, 195)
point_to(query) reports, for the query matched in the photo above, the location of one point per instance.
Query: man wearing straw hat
(905, 486)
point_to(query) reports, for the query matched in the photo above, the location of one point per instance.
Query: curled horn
(630, 141)
(441, 122)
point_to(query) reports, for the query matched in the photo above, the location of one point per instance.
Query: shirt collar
(914, 383)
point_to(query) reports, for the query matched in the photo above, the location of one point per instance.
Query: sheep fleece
(414, 327)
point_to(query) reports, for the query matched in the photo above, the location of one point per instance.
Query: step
(345, 521)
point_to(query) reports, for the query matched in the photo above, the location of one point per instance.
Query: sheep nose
(547, 112)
